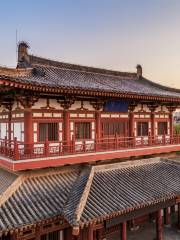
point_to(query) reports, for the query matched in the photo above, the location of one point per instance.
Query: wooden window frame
(90, 134)
(142, 122)
(47, 122)
(164, 122)
(111, 120)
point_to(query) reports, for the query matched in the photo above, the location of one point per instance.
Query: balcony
(16, 155)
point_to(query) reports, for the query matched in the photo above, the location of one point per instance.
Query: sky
(113, 34)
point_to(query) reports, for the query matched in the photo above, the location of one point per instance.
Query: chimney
(139, 71)
(23, 57)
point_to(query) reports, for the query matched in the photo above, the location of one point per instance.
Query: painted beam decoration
(116, 106)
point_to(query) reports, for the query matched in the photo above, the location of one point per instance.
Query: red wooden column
(131, 124)
(124, 231)
(28, 126)
(159, 227)
(152, 107)
(153, 125)
(171, 125)
(66, 126)
(66, 104)
(38, 233)
(171, 109)
(167, 216)
(90, 235)
(8, 106)
(178, 223)
(68, 234)
(98, 125)
(100, 233)
(131, 118)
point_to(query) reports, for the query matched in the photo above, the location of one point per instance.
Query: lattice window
(162, 128)
(113, 128)
(82, 130)
(57, 235)
(142, 129)
(48, 131)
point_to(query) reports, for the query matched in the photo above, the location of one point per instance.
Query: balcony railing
(18, 150)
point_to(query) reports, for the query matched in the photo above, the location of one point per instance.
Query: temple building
(76, 147)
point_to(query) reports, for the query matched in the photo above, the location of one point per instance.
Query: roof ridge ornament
(23, 55)
(139, 70)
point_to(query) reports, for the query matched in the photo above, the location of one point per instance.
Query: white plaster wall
(18, 128)
(86, 105)
(40, 103)
(139, 108)
(3, 127)
(16, 105)
(76, 105)
(55, 104)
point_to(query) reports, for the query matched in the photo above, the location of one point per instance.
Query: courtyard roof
(89, 194)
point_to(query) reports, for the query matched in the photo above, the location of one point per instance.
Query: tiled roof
(6, 179)
(48, 73)
(38, 198)
(89, 194)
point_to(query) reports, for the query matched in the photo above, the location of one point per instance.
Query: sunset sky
(114, 34)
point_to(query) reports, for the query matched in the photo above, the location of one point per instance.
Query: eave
(88, 92)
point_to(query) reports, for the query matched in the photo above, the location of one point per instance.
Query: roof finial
(139, 70)
(23, 57)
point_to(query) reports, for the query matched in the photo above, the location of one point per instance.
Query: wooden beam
(138, 213)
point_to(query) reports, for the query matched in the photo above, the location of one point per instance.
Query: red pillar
(131, 124)
(100, 233)
(159, 228)
(28, 126)
(124, 231)
(68, 234)
(9, 126)
(153, 125)
(90, 235)
(167, 216)
(178, 216)
(66, 130)
(171, 125)
(98, 125)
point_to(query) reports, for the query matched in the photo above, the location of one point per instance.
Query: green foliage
(177, 128)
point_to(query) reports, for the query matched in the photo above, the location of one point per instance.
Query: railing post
(46, 148)
(142, 141)
(16, 149)
(84, 145)
(73, 144)
(96, 143)
(116, 141)
(5, 146)
(149, 139)
(134, 140)
(164, 139)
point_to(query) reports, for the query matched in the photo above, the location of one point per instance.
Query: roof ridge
(126, 164)
(65, 65)
(84, 196)
(84, 71)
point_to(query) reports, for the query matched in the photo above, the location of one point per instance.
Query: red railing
(19, 150)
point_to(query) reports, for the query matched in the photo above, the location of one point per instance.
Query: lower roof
(85, 195)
